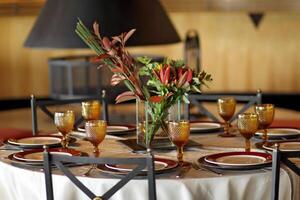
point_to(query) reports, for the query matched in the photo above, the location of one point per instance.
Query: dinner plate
(205, 127)
(161, 165)
(35, 141)
(36, 156)
(239, 159)
(204, 164)
(287, 145)
(278, 133)
(115, 129)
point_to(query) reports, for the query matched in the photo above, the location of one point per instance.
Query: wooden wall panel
(240, 57)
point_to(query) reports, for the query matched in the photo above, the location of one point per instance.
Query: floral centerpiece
(166, 83)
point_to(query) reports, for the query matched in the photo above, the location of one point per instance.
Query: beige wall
(240, 57)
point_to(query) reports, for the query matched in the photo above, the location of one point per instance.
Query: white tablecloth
(23, 184)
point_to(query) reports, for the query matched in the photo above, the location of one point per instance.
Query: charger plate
(36, 156)
(239, 159)
(161, 165)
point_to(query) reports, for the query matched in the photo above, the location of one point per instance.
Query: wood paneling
(231, 5)
(240, 57)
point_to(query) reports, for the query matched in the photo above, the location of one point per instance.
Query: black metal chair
(282, 157)
(198, 99)
(58, 160)
(45, 104)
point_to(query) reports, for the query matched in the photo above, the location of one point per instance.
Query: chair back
(58, 160)
(198, 99)
(44, 105)
(278, 158)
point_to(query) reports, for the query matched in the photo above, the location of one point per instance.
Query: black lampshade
(55, 26)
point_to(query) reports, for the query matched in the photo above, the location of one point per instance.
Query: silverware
(200, 167)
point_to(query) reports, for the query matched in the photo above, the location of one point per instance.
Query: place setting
(238, 161)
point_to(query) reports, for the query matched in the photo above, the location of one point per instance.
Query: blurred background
(241, 56)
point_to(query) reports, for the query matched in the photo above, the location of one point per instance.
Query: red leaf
(129, 34)
(182, 80)
(116, 79)
(106, 43)
(167, 75)
(189, 75)
(125, 96)
(96, 30)
(116, 38)
(117, 70)
(99, 58)
(156, 99)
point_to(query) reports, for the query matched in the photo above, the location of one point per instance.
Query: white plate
(280, 132)
(239, 158)
(127, 168)
(204, 126)
(35, 141)
(284, 146)
(113, 129)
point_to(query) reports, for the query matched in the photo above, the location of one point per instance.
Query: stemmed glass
(90, 110)
(95, 134)
(265, 113)
(226, 109)
(64, 122)
(179, 132)
(247, 126)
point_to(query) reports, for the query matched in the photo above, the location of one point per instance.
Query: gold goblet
(179, 133)
(64, 122)
(265, 113)
(90, 110)
(247, 126)
(226, 109)
(95, 134)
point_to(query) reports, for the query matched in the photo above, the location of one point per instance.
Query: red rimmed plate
(286, 145)
(35, 141)
(115, 129)
(162, 165)
(239, 159)
(36, 156)
(205, 127)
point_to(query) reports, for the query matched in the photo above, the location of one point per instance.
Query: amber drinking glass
(95, 134)
(226, 109)
(64, 122)
(265, 113)
(247, 126)
(179, 133)
(90, 110)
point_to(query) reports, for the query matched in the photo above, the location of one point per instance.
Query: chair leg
(275, 174)
(151, 177)
(33, 115)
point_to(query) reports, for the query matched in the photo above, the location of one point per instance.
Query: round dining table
(19, 182)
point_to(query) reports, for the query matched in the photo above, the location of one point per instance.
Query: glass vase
(152, 120)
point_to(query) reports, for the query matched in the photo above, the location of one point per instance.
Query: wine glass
(179, 132)
(95, 134)
(90, 110)
(265, 113)
(247, 126)
(64, 122)
(226, 109)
